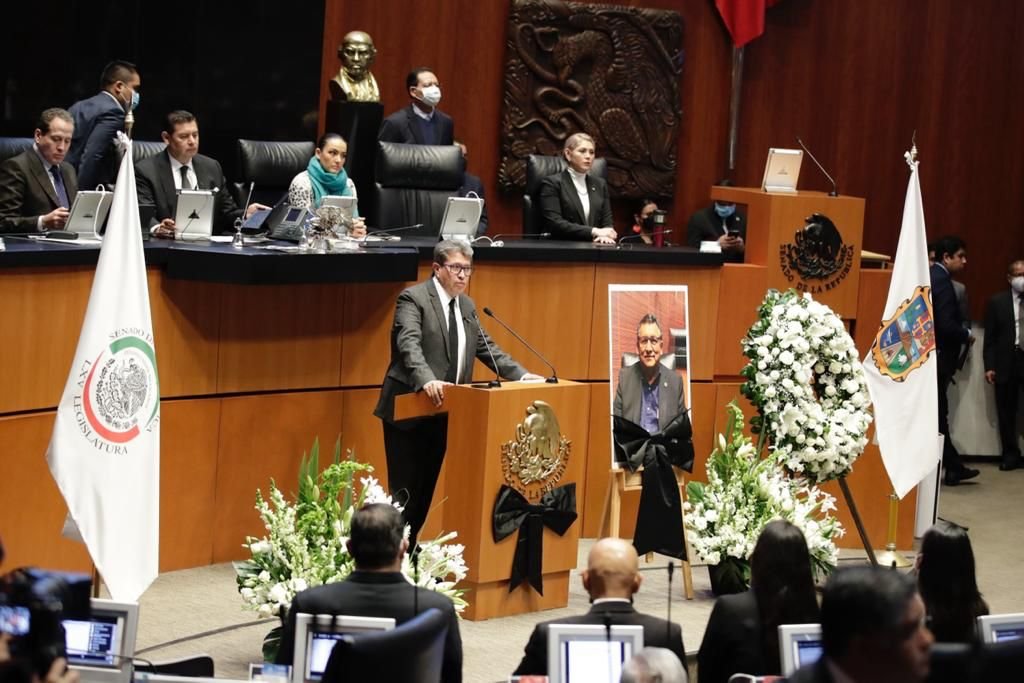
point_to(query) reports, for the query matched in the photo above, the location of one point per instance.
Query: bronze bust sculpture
(354, 81)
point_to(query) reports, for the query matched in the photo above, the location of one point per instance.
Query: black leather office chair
(413, 184)
(12, 147)
(539, 167)
(271, 165)
(143, 149)
(413, 652)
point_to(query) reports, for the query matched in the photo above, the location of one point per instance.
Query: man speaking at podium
(435, 338)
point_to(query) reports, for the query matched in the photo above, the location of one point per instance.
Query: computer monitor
(799, 645)
(315, 637)
(461, 218)
(100, 648)
(193, 218)
(782, 170)
(590, 653)
(1001, 628)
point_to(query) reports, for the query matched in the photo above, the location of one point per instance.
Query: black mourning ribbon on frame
(556, 511)
(659, 519)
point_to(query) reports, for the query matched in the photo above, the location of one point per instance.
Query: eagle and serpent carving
(612, 72)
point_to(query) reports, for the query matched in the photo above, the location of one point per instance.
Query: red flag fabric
(743, 18)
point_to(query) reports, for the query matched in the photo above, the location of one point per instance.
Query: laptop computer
(193, 219)
(89, 214)
(782, 170)
(461, 218)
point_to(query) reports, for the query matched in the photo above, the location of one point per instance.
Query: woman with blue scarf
(325, 176)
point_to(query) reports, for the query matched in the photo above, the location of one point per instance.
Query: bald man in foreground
(611, 578)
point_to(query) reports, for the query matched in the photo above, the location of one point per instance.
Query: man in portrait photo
(649, 394)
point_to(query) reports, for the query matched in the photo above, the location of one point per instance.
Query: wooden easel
(621, 480)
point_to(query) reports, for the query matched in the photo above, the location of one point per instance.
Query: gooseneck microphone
(496, 382)
(553, 379)
(391, 231)
(835, 191)
(668, 619)
(631, 238)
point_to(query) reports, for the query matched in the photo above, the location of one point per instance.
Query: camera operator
(16, 670)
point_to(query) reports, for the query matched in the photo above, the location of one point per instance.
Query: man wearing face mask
(720, 223)
(97, 121)
(421, 123)
(1004, 359)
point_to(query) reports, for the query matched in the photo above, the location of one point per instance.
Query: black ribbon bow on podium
(659, 520)
(556, 511)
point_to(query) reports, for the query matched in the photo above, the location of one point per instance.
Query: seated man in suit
(421, 123)
(721, 222)
(574, 204)
(181, 167)
(471, 186)
(38, 185)
(377, 587)
(97, 120)
(611, 578)
(873, 630)
(649, 394)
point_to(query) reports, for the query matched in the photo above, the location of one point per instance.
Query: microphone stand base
(494, 384)
(552, 380)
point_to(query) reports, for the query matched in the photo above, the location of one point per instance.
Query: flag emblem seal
(905, 340)
(120, 394)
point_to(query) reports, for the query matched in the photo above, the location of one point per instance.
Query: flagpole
(889, 557)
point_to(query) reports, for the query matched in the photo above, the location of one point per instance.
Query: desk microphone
(496, 382)
(834, 192)
(668, 620)
(632, 238)
(553, 379)
(390, 231)
(498, 242)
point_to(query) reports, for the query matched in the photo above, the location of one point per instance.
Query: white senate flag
(105, 449)
(900, 366)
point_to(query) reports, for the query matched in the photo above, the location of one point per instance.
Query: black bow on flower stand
(556, 511)
(659, 520)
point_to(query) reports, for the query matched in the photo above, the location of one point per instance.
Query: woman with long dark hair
(948, 585)
(743, 633)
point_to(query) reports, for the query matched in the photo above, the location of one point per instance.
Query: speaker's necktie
(186, 184)
(453, 345)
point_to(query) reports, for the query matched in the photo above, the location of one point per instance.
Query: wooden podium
(773, 221)
(482, 423)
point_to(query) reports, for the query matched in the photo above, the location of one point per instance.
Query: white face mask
(431, 95)
(1017, 284)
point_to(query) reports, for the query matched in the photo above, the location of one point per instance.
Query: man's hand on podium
(531, 377)
(435, 391)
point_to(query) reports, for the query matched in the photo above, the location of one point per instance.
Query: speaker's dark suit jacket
(375, 594)
(732, 640)
(950, 334)
(26, 191)
(92, 152)
(1000, 336)
(629, 395)
(563, 213)
(156, 186)
(404, 126)
(657, 633)
(419, 346)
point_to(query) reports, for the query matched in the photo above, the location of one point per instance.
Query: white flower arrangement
(805, 377)
(306, 541)
(744, 492)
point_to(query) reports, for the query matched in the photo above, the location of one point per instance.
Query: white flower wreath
(805, 377)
